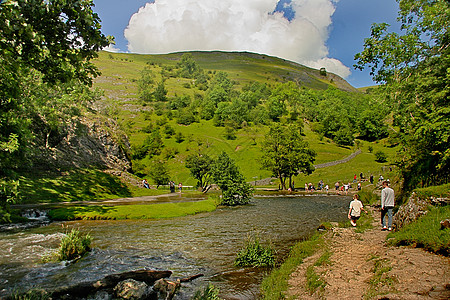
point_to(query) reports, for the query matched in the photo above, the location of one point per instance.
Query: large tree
(200, 165)
(45, 52)
(226, 174)
(286, 154)
(413, 68)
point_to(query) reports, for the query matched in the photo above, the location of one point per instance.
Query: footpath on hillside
(362, 266)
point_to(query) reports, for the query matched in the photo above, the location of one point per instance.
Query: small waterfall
(36, 218)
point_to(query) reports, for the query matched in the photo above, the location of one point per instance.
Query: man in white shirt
(387, 205)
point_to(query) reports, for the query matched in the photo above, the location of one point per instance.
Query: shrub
(208, 293)
(380, 157)
(73, 245)
(254, 254)
(370, 148)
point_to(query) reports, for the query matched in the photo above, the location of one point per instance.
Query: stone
(445, 224)
(132, 289)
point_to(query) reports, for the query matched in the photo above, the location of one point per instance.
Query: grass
(434, 191)
(314, 281)
(78, 185)
(122, 212)
(210, 292)
(73, 245)
(275, 285)
(425, 233)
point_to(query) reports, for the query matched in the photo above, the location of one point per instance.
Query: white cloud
(165, 26)
(111, 48)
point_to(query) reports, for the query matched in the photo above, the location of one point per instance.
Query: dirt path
(402, 272)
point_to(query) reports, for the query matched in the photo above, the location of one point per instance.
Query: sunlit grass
(121, 212)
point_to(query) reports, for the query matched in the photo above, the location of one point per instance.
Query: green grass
(275, 285)
(78, 185)
(314, 281)
(435, 191)
(121, 212)
(426, 232)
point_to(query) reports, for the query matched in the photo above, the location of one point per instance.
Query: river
(205, 243)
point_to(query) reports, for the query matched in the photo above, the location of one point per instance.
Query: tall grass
(254, 254)
(210, 292)
(426, 232)
(275, 285)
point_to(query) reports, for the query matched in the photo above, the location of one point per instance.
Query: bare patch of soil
(404, 272)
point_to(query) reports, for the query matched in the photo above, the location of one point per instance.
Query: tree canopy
(286, 154)
(413, 67)
(46, 47)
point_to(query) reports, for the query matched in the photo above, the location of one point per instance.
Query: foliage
(210, 292)
(286, 154)
(380, 157)
(413, 66)
(159, 173)
(73, 245)
(254, 254)
(9, 193)
(225, 173)
(43, 55)
(426, 232)
(34, 294)
(200, 166)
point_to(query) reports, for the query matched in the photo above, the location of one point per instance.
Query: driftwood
(109, 282)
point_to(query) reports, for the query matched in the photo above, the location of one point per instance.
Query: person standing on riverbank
(387, 205)
(354, 212)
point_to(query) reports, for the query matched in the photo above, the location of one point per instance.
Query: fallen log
(109, 282)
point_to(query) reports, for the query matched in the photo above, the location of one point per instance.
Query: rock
(166, 288)
(445, 224)
(410, 211)
(101, 295)
(133, 290)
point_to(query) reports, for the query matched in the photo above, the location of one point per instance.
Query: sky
(315, 33)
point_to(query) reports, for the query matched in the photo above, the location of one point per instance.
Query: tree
(159, 173)
(42, 63)
(200, 165)
(189, 68)
(413, 70)
(286, 154)
(225, 173)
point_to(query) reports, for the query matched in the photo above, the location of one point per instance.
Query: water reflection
(205, 243)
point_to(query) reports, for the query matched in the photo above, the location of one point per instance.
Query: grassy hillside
(121, 72)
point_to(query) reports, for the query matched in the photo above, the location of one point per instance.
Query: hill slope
(121, 73)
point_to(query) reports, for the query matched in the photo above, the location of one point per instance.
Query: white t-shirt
(356, 206)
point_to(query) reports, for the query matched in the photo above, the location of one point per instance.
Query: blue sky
(317, 33)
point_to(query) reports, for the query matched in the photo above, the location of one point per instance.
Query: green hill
(121, 73)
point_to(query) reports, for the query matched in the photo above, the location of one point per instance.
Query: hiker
(387, 205)
(145, 183)
(354, 211)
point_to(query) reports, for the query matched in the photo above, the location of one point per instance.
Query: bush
(73, 245)
(255, 255)
(380, 157)
(208, 293)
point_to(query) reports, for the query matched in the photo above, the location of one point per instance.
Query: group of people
(387, 207)
(171, 185)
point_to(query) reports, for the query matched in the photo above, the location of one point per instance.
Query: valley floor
(361, 266)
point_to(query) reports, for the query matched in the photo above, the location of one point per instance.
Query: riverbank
(350, 263)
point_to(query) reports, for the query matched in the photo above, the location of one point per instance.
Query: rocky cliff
(92, 141)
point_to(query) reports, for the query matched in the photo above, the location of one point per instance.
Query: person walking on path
(387, 205)
(355, 210)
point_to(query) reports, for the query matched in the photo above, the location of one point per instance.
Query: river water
(205, 243)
